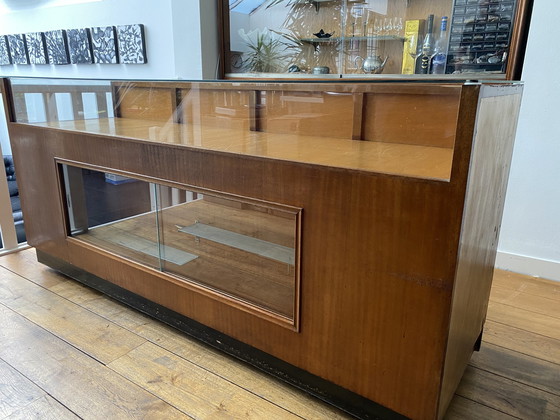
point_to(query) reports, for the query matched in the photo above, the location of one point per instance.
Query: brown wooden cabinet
(339, 235)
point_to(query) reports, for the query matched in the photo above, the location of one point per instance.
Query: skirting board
(527, 265)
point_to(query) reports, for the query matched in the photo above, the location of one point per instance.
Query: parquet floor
(69, 352)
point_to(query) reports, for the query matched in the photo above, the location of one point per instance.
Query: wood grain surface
(380, 247)
(375, 156)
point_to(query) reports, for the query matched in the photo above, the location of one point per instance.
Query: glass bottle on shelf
(423, 62)
(439, 60)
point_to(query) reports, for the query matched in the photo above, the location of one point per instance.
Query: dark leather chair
(14, 198)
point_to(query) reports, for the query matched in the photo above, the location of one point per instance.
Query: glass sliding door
(237, 249)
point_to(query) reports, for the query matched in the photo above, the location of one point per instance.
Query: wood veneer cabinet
(388, 196)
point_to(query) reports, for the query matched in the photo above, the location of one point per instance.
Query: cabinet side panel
(490, 162)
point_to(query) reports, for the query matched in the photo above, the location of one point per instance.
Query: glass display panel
(389, 128)
(244, 250)
(113, 212)
(240, 249)
(350, 38)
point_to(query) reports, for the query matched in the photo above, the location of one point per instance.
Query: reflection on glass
(113, 212)
(313, 124)
(243, 250)
(11, 207)
(298, 36)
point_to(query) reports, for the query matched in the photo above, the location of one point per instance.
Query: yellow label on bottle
(412, 27)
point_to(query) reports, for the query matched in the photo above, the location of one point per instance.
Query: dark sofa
(14, 198)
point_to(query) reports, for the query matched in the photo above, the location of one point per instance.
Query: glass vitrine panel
(238, 248)
(391, 128)
(113, 212)
(242, 249)
(334, 38)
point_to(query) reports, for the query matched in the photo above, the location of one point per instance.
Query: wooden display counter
(381, 203)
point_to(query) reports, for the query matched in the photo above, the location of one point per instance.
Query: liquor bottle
(439, 61)
(427, 48)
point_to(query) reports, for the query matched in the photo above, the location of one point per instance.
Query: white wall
(173, 37)
(530, 235)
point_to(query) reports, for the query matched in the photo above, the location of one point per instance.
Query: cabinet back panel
(426, 120)
(327, 114)
(145, 103)
(216, 108)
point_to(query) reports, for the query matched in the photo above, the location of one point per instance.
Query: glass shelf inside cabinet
(354, 38)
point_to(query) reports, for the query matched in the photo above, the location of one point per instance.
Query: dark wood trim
(224, 61)
(115, 88)
(339, 397)
(8, 100)
(245, 200)
(518, 43)
(464, 135)
(177, 108)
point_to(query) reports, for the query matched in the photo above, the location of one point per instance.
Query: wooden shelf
(387, 158)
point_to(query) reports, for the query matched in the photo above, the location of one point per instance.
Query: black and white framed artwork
(36, 48)
(57, 48)
(79, 46)
(5, 58)
(18, 50)
(103, 40)
(131, 44)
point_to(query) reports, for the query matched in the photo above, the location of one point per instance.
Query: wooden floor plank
(532, 285)
(527, 301)
(522, 341)
(92, 334)
(212, 360)
(518, 367)
(514, 376)
(86, 387)
(25, 264)
(16, 390)
(462, 408)
(508, 396)
(215, 361)
(192, 389)
(226, 367)
(45, 408)
(525, 320)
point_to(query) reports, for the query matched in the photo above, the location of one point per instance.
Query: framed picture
(36, 48)
(57, 47)
(79, 46)
(131, 44)
(18, 49)
(103, 40)
(5, 58)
